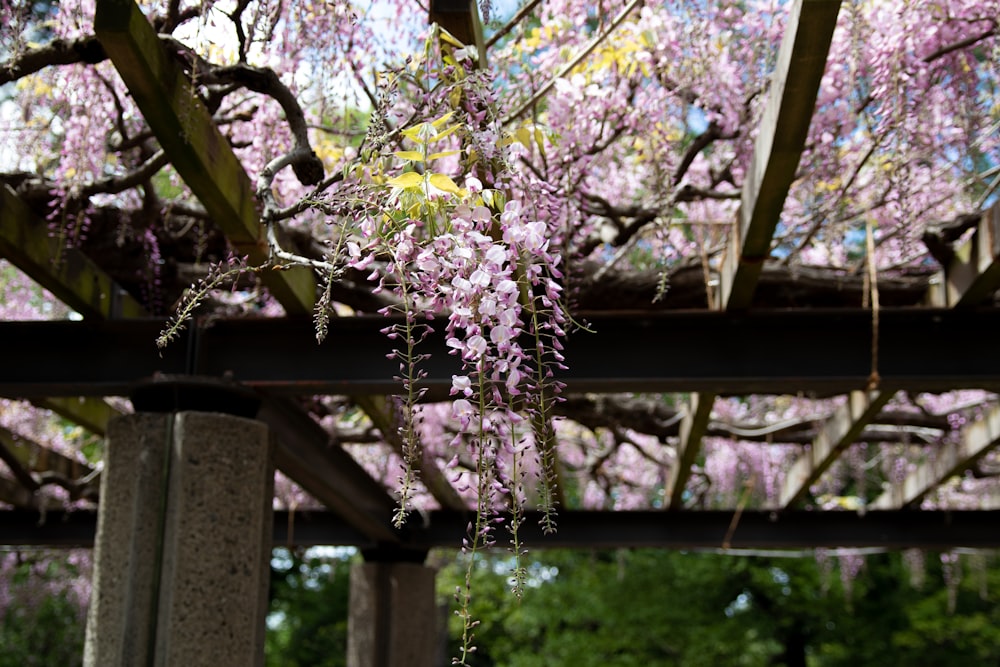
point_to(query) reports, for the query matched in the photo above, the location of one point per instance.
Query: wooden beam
(461, 19)
(305, 453)
(783, 130)
(91, 413)
(693, 427)
(837, 433)
(70, 275)
(381, 414)
(193, 142)
(975, 441)
(14, 494)
(973, 275)
(37, 458)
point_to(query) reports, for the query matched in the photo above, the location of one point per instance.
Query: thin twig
(594, 43)
(961, 44)
(511, 24)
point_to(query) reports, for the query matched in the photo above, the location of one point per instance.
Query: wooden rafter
(71, 277)
(836, 434)
(24, 457)
(783, 130)
(306, 454)
(975, 441)
(973, 275)
(91, 413)
(38, 458)
(15, 494)
(66, 272)
(381, 414)
(780, 141)
(197, 149)
(693, 428)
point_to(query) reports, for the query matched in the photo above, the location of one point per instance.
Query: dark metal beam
(934, 530)
(821, 351)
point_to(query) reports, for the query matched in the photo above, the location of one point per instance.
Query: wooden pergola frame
(113, 351)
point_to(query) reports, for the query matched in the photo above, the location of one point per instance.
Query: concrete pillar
(393, 616)
(127, 546)
(183, 543)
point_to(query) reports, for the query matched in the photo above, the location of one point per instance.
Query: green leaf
(408, 180)
(412, 156)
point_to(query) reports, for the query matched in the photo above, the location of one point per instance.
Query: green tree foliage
(307, 624)
(599, 608)
(41, 617)
(667, 608)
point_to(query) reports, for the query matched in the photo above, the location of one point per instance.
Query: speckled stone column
(127, 546)
(393, 616)
(188, 496)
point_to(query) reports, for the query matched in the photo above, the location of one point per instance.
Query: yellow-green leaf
(524, 136)
(434, 156)
(444, 133)
(443, 182)
(411, 133)
(449, 38)
(412, 156)
(408, 180)
(442, 120)
(540, 141)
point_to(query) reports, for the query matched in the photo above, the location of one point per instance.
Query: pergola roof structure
(770, 331)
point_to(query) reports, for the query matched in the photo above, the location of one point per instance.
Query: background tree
(307, 625)
(647, 607)
(43, 603)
